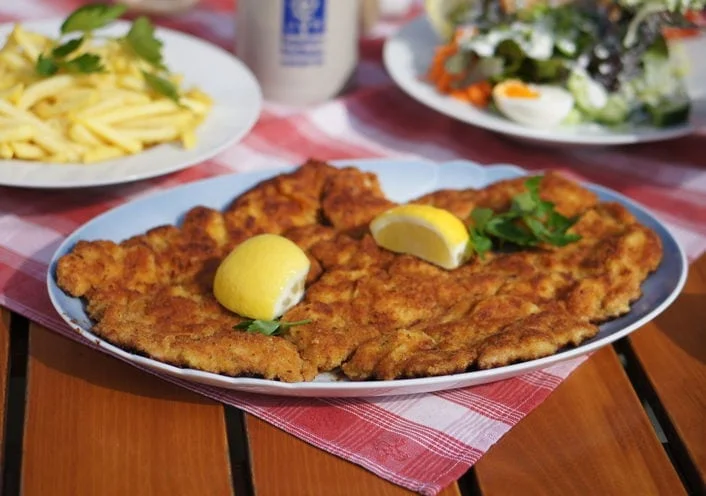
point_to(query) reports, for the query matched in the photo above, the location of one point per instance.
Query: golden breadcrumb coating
(374, 314)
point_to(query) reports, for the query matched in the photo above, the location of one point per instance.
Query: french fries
(87, 118)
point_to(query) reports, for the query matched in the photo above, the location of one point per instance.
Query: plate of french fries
(92, 100)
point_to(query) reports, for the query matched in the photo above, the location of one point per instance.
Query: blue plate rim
(398, 386)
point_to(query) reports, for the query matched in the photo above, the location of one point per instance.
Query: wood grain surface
(591, 436)
(94, 425)
(309, 470)
(672, 353)
(4, 374)
(97, 426)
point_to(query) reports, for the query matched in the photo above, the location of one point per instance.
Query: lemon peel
(262, 277)
(430, 233)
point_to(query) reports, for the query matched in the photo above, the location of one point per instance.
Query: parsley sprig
(86, 63)
(143, 43)
(529, 221)
(90, 17)
(269, 327)
(140, 40)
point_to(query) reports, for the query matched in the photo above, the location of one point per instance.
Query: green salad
(610, 56)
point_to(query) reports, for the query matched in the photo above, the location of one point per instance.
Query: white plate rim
(25, 174)
(396, 59)
(368, 388)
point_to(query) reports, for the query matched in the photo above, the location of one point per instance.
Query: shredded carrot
(680, 33)
(437, 70)
(697, 18)
(477, 94)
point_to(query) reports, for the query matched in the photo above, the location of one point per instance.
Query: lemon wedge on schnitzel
(262, 277)
(430, 233)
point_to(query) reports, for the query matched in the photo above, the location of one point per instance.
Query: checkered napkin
(422, 442)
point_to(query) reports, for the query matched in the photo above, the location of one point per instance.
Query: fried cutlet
(374, 314)
(283, 202)
(569, 198)
(351, 199)
(152, 294)
(510, 307)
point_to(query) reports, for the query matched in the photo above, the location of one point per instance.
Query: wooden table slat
(591, 436)
(309, 470)
(94, 425)
(672, 354)
(123, 431)
(4, 375)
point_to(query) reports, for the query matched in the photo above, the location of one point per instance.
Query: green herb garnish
(67, 48)
(269, 327)
(161, 85)
(529, 222)
(86, 63)
(140, 39)
(143, 42)
(90, 17)
(46, 66)
(480, 242)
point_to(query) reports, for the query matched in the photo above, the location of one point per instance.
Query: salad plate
(168, 207)
(407, 57)
(237, 103)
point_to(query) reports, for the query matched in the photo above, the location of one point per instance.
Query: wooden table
(631, 420)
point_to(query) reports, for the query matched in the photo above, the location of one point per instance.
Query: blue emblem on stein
(303, 27)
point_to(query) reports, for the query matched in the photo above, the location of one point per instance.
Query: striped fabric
(422, 442)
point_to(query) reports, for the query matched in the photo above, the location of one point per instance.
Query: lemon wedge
(441, 14)
(432, 234)
(262, 277)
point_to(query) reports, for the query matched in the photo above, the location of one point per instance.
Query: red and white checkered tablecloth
(423, 442)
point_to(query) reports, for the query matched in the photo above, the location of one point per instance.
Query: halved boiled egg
(533, 105)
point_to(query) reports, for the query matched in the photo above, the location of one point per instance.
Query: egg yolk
(518, 90)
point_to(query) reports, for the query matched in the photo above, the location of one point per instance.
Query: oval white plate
(237, 106)
(409, 52)
(402, 180)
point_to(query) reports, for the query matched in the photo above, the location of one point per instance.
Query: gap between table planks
(303, 469)
(670, 357)
(596, 402)
(590, 436)
(83, 407)
(94, 425)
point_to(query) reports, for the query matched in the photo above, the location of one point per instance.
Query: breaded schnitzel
(374, 314)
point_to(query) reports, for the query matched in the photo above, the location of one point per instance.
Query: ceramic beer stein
(302, 52)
